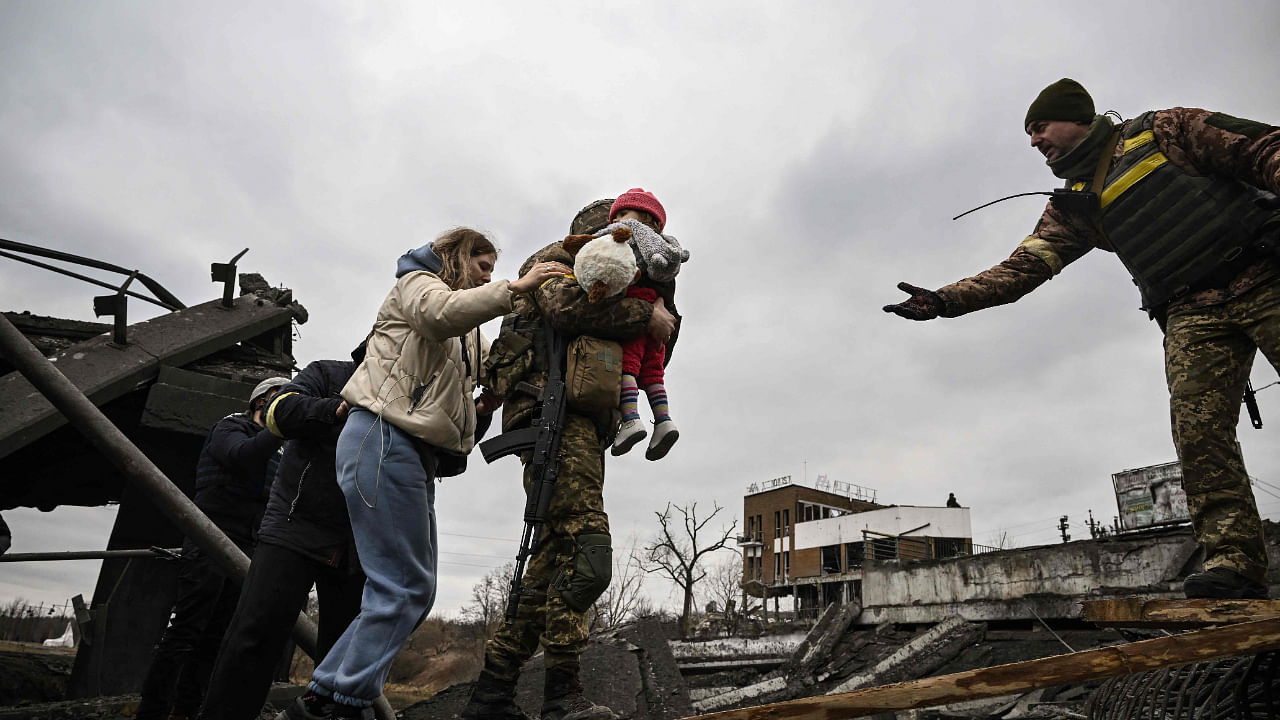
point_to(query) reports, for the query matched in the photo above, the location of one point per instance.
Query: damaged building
(813, 544)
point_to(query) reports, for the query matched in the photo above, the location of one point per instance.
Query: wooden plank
(1176, 613)
(1197, 646)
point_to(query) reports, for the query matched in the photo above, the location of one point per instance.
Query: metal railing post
(117, 307)
(225, 273)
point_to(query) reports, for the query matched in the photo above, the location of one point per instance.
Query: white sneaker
(665, 435)
(631, 432)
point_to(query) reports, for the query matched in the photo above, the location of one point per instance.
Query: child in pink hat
(659, 258)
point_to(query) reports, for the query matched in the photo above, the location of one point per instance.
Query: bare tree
(12, 615)
(489, 598)
(724, 581)
(619, 603)
(675, 551)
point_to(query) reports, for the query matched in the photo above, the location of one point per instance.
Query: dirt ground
(30, 672)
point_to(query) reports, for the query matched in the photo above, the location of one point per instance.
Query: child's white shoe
(631, 432)
(665, 435)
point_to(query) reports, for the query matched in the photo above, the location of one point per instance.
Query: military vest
(1171, 229)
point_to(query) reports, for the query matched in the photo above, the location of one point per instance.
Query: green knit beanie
(592, 218)
(1063, 100)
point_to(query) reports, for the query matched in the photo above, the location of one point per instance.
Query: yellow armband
(1043, 249)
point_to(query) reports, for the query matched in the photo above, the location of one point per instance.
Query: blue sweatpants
(390, 490)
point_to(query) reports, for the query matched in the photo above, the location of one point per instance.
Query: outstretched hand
(538, 274)
(922, 305)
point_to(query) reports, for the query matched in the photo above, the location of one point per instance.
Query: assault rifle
(543, 438)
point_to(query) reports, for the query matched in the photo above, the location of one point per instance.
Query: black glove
(922, 305)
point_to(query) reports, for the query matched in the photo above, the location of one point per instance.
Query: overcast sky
(809, 155)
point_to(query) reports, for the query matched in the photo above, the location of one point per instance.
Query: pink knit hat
(639, 199)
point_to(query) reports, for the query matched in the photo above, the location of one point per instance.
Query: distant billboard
(1150, 496)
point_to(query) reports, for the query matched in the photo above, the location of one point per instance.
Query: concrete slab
(920, 656)
(105, 371)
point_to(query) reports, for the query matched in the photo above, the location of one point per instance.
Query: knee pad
(587, 576)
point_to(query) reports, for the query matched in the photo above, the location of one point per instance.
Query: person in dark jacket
(233, 475)
(305, 539)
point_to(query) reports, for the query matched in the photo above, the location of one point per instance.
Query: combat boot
(563, 698)
(493, 699)
(1221, 582)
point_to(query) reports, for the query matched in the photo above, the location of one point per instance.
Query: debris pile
(838, 656)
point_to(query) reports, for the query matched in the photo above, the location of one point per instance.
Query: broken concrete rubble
(834, 658)
(817, 645)
(920, 656)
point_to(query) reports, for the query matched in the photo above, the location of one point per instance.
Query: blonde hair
(455, 248)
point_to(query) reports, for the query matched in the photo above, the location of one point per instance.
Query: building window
(786, 563)
(751, 528)
(777, 566)
(853, 553)
(759, 527)
(830, 559)
(786, 522)
(777, 524)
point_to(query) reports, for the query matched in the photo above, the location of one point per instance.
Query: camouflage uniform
(577, 503)
(577, 507)
(1211, 332)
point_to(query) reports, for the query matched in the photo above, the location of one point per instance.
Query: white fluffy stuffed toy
(604, 265)
(613, 259)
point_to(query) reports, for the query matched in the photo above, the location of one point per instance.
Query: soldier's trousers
(1209, 352)
(577, 507)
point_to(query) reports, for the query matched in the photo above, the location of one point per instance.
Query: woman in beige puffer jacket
(411, 405)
